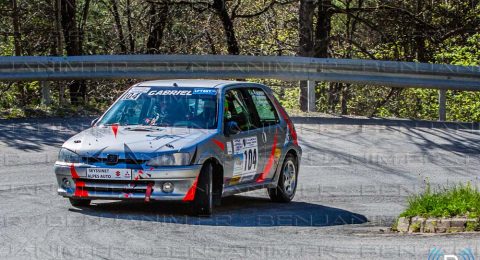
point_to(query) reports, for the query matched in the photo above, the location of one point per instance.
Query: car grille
(116, 188)
(91, 160)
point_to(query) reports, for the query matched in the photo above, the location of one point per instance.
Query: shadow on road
(237, 211)
(32, 135)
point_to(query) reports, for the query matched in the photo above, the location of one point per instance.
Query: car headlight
(69, 156)
(174, 159)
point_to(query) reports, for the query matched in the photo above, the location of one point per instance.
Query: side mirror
(94, 121)
(232, 128)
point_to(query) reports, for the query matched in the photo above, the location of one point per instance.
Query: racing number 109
(250, 162)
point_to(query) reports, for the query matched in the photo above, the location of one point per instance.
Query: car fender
(212, 147)
(285, 149)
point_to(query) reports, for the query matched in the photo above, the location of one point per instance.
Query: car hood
(102, 140)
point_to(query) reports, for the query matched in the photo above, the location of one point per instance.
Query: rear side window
(267, 114)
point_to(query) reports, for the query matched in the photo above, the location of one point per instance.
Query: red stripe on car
(191, 192)
(219, 144)
(115, 129)
(270, 161)
(79, 191)
(73, 172)
(291, 128)
(79, 185)
(148, 193)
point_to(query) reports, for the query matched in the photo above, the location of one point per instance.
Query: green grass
(460, 200)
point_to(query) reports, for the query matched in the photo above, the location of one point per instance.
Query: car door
(268, 124)
(244, 147)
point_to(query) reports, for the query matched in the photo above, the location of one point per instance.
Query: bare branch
(265, 9)
(235, 8)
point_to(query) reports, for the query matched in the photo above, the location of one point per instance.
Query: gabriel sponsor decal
(170, 93)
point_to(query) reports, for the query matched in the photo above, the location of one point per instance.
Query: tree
(73, 35)
(221, 10)
(314, 44)
(158, 14)
(118, 24)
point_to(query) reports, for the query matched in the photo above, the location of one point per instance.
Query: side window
(265, 110)
(236, 110)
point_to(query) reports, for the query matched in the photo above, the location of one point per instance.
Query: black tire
(203, 202)
(80, 202)
(282, 193)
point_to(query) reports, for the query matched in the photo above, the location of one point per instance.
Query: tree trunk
(17, 39)
(419, 37)
(83, 23)
(59, 47)
(323, 28)
(131, 41)
(118, 24)
(158, 21)
(351, 26)
(305, 14)
(78, 89)
(221, 10)
(16, 29)
(322, 41)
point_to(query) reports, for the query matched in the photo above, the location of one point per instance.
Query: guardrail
(372, 72)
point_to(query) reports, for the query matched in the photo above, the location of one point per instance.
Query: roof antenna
(175, 84)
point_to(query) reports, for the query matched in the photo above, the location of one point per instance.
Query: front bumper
(72, 183)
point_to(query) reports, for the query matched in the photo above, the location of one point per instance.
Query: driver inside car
(160, 114)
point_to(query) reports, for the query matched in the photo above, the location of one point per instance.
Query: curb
(436, 225)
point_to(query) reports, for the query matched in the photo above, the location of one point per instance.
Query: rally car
(193, 141)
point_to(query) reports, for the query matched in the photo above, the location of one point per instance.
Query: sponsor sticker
(139, 90)
(109, 174)
(229, 147)
(205, 91)
(131, 95)
(169, 92)
(245, 153)
(134, 93)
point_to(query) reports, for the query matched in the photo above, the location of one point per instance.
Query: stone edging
(437, 225)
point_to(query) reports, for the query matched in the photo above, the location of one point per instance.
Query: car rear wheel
(80, 202)
(203, 202)
(287, 181)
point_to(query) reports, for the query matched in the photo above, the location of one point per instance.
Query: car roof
(188, 83)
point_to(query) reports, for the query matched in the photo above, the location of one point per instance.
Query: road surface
(355, 178)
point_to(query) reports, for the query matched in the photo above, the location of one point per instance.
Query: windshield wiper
(139, 127)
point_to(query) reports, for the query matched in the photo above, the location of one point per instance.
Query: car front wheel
(287, 181)
(203, 202)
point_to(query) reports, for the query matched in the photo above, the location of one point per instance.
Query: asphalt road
(355, 178)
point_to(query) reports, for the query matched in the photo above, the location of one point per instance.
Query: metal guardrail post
(46, 95)
(442, 105)
(311, 106)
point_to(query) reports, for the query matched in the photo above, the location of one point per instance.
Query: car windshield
(165, 106)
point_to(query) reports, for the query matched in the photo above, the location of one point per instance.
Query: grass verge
(460, 200)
